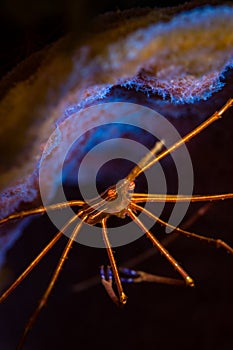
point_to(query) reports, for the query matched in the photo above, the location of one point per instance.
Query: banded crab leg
(106, 275)
(168, 198)
(215, 242)
(189, 281)
(107, 283)
(41, 210)
(54, 278)
(38, 258)
(134, 276)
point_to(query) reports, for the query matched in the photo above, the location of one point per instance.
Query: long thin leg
(144, 276)
(216, 242)
(41, 210)
(122, 296)
(47, 292)
(170, 198)
(189, 281)
(36, 260)
(168, 239)
(93, 281)
(217, 115)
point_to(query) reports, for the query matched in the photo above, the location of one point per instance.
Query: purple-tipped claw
(130, 275)
(106, 274)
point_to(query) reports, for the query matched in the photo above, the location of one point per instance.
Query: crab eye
(112, 193)
(131, 186)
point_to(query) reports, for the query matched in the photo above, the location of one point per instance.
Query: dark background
(156, 316)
